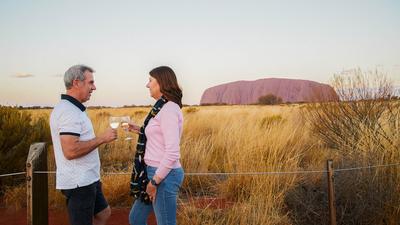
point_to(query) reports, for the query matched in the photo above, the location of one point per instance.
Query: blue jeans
(165, 203)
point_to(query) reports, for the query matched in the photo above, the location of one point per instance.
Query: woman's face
(154, 88)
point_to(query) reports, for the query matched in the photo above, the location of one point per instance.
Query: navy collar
(73, 101)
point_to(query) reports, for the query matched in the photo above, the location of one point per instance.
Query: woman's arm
(169, 123)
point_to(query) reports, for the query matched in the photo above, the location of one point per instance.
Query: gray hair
(75, 73)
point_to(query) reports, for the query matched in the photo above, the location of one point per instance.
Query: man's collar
(73, 101)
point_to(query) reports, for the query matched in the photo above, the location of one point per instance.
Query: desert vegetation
(354, 132)
(269, 99)
(18, 131)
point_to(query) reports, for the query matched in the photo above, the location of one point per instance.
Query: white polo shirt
(69, 118)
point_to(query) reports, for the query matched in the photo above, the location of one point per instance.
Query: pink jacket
(163, 134)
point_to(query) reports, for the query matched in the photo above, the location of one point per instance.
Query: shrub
(363, 129)
(365, 110)
(17, 133)
(191, 110)
(269, 99)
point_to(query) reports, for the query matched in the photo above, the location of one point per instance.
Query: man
(76, 153)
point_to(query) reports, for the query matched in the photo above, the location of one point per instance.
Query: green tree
(269, 99)
(17, 133)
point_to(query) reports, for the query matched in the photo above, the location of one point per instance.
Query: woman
(160, 139)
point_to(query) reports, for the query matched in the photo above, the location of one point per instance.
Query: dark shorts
(85, 202)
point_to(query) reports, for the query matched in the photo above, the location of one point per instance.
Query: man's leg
(102, 210)
(80, 204)
(102, 217)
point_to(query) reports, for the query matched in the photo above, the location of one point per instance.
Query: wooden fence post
(331, 193)
(36, 185)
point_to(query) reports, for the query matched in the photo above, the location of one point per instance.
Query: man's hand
(108, 135)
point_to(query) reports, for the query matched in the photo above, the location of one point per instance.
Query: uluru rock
(248, 92)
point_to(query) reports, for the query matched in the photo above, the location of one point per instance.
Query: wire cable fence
(235, 173)
(12, 174)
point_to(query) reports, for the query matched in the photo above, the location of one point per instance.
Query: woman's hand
(133, 128)
(152, 191)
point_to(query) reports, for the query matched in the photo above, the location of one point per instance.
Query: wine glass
(125, 124)
(114, 122)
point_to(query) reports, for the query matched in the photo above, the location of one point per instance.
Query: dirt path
(119, 216)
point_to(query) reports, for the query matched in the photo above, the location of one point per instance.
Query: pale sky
(207, 43)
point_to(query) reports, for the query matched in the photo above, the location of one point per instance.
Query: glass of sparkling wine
(125, 124)
(114, 122)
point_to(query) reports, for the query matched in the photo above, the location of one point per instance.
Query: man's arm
(73, 148)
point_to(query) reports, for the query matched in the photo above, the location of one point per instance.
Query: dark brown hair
(169, 86)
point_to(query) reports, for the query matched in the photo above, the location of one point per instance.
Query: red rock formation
(248, 92)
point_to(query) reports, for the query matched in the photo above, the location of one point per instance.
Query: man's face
(86, 87)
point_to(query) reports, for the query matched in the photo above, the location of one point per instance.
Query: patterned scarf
(139, 179)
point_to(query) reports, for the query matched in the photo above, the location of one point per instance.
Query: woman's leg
(139, 213)
(167, 192)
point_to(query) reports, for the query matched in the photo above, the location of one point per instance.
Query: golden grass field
(252, 139)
